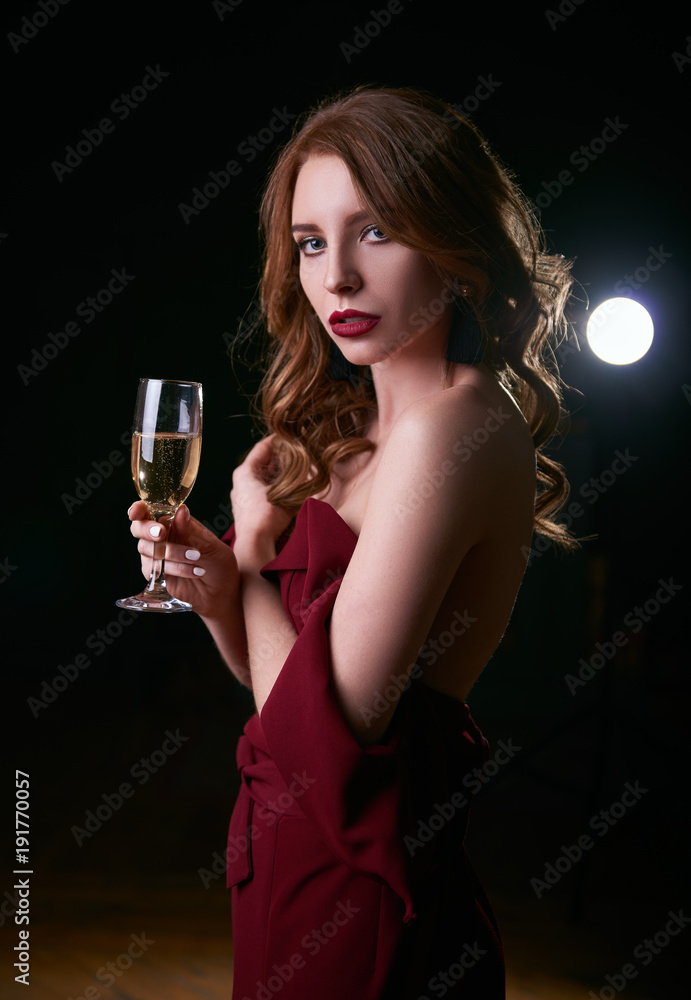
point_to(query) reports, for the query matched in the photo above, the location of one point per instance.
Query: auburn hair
(429, 179)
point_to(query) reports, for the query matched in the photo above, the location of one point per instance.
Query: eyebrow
(309, 227)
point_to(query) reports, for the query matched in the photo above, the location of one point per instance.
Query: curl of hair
(428, 177)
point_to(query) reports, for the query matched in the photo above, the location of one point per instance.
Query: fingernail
(199, 571)
(129, 509)
(155, 531)
(192, 554)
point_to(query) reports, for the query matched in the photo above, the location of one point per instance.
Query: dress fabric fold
(347, 865)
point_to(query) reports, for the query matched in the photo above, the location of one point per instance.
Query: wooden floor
(183, 933)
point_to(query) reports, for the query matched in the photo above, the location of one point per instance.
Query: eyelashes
(306, 246)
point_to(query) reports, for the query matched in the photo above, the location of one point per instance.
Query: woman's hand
(199, 568)
(256, 520)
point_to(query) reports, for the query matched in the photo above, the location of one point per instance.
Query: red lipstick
(352, 322)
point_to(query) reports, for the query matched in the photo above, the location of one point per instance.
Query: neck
(399, 382)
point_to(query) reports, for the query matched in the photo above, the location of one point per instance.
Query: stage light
(620, 331)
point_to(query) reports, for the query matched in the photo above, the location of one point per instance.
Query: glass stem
(156, 586)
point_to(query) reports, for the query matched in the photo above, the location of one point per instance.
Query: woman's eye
(310, 245)
(374, 235)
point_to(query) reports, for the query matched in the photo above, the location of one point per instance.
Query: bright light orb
(620, 331)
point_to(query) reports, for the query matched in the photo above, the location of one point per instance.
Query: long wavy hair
(428, 177)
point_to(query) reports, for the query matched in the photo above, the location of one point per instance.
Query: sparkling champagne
(164, 468)
(166, 445)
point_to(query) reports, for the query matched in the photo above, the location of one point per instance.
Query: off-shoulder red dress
(349, 876)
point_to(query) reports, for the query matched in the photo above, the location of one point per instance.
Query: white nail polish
(156, 531)
(192, 554)
(199, 571)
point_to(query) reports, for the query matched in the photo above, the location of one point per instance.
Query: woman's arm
(229, 635)
(406, 557)
(242, 611)
(425, 511)
(270, 635)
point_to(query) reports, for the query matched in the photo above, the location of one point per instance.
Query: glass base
(149, 602)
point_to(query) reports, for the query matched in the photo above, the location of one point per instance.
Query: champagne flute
(166, 445)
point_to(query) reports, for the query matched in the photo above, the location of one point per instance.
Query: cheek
(307, 285)
(424, 289)
(311, 289)
(417, 278)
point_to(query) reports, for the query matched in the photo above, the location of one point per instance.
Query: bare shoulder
(450, 504)
(474, 420)
(457, 469)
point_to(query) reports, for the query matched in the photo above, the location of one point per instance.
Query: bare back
(476, 607)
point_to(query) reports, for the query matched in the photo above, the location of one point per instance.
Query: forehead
(324, 184)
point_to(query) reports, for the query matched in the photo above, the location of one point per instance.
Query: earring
(465, 335)
(341, 369)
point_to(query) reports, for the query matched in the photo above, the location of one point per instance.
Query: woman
(379, 540)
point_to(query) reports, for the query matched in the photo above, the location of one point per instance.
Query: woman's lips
(352, 323)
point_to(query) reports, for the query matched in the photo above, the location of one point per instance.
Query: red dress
(349, 876)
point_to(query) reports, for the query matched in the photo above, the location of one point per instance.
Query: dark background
(67, 550)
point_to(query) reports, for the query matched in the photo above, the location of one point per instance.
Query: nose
(341, 274)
